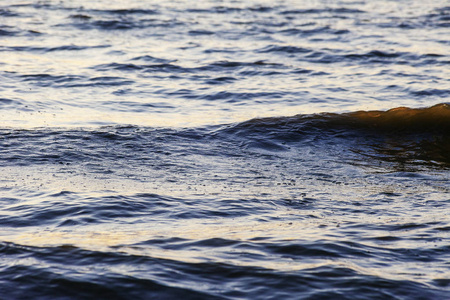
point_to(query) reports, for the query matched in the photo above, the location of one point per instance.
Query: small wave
(200, 32)
(120, 24)
(49, 80)
(319, 30)
(369, 58)
(7, 13)
(432, 92)
(130, 11)
(101, 81)
(46, 281)
(160, 67)
(341, 10)
(240, 97)
(152, 59)
(377, 56)
(80, 17)
(217, 10)
(221, 66)
(4, 32)
(71, 81)
(374, 53)
(118, 66)
(13, 31)
(439, 18)
(400, 135)
(286, 49)
(50, 49)
(7, 102)
(401, 119)
(434, 119)
(96, 274)
(115, 24)
(229, 9)
(135, 106)
(88, 210)
(220, 80)
(168, 66)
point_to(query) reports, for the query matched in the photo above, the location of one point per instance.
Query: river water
(224, 149)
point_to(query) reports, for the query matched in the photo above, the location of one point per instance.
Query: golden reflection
(408, 137)
(127, 241)
(406, 118)
(405, 154)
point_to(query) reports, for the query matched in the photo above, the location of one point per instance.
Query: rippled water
(224, 149)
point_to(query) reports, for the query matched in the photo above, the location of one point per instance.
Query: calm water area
(224, 149)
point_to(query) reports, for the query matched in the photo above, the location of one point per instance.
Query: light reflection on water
(320, 78)
(152, 150)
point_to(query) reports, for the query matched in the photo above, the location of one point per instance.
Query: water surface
(224, 150)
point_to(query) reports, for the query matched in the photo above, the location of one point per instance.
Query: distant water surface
(224, 149)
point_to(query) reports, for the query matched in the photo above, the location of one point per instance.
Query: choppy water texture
(224, 149)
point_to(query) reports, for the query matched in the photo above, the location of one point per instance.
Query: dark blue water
(224, 150)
